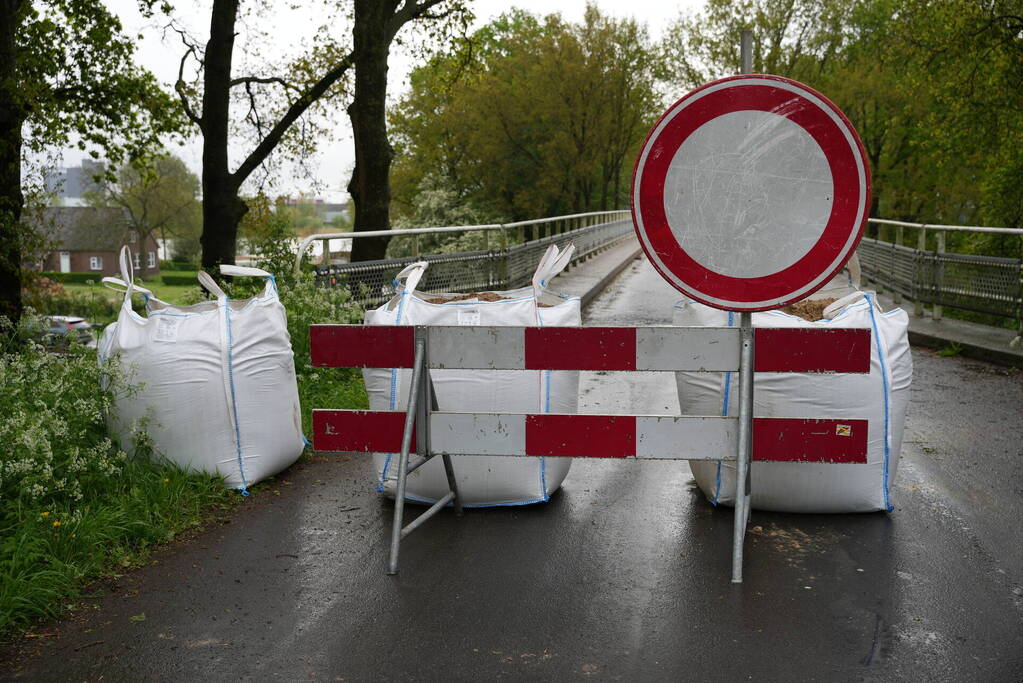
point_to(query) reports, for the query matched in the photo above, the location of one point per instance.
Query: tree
(275, 102)
(855, 54)
(967, 55)
(158, 199)
(377, 23)
(532, 117)
(277, 99)
(66, 70)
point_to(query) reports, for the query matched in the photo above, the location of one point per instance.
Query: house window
(95, 263)
(133, 237)
(150, 259)
(137, 262)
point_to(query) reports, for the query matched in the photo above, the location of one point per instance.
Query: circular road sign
(751, 192)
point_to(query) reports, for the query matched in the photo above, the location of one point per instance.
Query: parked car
(54, 331)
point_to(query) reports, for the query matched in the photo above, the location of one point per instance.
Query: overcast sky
(332, 165)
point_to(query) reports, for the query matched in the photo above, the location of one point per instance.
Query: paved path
(622, 576)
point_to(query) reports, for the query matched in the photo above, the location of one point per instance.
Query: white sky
(332, 164)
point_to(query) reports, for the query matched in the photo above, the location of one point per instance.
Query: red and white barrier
(621, 349)
(693, 349)
(641, 437)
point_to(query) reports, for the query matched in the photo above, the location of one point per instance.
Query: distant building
(88, 239)
(70, 185)
(328, 211)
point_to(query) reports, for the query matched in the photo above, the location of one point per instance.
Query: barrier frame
(668, 349)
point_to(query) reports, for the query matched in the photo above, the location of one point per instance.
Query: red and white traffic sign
(751, 192)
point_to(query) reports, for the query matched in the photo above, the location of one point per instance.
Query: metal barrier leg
(428, 403)
(406, 443)
(742, 474)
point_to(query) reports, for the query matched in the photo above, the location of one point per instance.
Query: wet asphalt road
(624, 575)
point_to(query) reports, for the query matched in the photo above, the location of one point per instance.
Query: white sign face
(750, 193)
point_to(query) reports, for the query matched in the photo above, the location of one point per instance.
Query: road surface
(624, 575)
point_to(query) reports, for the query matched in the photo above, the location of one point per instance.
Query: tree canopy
(935, 89)
(159, 199)
(67, 76)
(530, 117)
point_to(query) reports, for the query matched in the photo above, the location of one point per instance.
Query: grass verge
(73, 506)
(47, 554)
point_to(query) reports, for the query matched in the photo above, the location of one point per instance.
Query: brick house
(88, 239)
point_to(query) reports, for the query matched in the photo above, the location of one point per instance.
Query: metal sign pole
(745, 449)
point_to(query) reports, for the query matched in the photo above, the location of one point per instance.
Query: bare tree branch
(409, 11)
(252, 116)
(179, 85)
(297, 108)
(249, 80)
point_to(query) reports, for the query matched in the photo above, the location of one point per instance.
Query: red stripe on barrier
(777, 439)
(811, 350)
(358, 430)
(580, 348)
(362, 346)
(581, 436)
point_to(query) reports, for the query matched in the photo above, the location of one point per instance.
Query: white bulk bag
(216, 381)
(880, 397)
(491, 480)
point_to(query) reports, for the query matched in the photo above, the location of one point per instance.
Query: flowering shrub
(307, 303)
(52, 425)
(72, 504)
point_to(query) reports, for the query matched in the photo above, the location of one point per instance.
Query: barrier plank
(593, 348)
(581, 436)
(643, 437)
(800, 440)
(580, 348)
(800, 349)
(364, 431)
(362, 346)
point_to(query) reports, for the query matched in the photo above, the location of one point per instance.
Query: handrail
(326, 236)
(947, 228)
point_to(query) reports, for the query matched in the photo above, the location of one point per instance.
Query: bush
(179, 280)
(178, 266)
(72, 503)
(74, 278)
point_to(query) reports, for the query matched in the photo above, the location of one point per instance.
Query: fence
(983, 284)
(508, 265)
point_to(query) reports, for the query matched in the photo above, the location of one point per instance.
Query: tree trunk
(370, 184)
(12, 201)
(222, 210)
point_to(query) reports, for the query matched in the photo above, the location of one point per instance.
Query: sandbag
(491, 480)
(216, 387)
(880, 397)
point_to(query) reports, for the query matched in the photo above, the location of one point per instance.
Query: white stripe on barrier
(692, 349)
(691, 438)
(477, 434)
(478, 348)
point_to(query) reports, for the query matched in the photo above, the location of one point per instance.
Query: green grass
(73, 506)
(169, 293)
(46, 555)
(96, 513)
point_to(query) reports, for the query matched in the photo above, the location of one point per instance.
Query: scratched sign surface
(751, 192)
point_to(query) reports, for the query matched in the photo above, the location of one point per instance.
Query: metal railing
(508, 265)
(984, 284)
